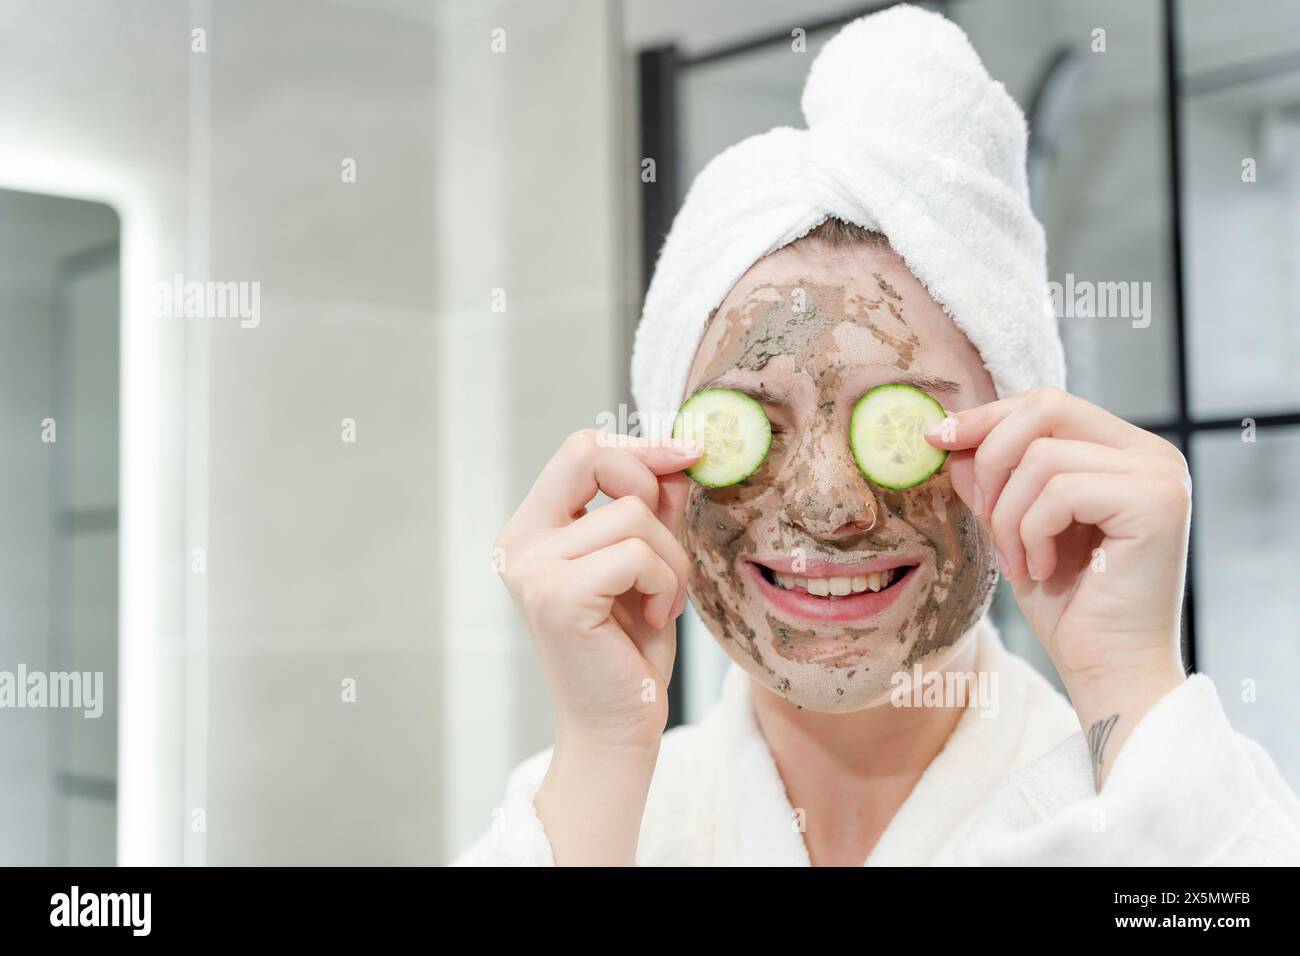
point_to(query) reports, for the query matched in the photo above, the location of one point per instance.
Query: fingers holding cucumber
(599, 590)
(591, 462)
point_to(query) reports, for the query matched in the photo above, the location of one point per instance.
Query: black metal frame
(660, 71)
(657, 98)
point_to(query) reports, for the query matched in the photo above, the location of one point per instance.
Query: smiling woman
(825, 576)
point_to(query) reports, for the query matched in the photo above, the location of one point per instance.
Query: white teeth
(837, 586)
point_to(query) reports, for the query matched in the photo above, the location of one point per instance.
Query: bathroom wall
(318, 664)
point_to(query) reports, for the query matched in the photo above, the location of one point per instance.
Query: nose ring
(866, 525)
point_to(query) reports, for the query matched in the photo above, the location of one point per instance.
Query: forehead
(811, 310)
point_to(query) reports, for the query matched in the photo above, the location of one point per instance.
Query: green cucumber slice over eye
(734, 430)
(886, 435)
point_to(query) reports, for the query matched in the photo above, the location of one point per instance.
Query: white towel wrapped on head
(907, 135)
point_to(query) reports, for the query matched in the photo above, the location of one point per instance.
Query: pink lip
(834, 569)
(800, 604)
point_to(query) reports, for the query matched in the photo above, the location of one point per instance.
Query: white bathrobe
(1011, 788)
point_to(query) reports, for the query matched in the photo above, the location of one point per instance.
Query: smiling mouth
(837, 586)
(820, 596)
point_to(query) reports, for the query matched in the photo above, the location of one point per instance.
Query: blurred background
(271, 533)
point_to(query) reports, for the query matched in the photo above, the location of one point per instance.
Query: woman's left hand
(1089, 515)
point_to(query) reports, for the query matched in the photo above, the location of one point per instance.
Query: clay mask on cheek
(796, 344)
(964, 557)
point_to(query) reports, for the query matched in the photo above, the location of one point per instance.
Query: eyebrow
(927, 383)
(757, 392)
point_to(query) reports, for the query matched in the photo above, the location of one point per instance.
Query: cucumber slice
(885, 433)
(735, 432)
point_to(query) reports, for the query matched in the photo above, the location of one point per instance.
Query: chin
(821, 689)
(852, 675)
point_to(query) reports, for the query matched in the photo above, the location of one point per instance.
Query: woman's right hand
(599, 591)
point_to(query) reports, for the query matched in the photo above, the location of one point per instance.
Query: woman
(891, 242)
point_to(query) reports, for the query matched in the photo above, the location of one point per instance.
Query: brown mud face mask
(810, 499)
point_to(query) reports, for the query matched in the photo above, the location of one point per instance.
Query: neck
(851, 772)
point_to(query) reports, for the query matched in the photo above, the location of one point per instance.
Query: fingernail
(1033, 570)
(945, 430)
(685, 448)
(977, 501)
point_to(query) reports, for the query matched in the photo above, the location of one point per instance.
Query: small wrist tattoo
(1098, 735)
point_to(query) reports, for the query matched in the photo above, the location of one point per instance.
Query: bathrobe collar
(756, 825)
